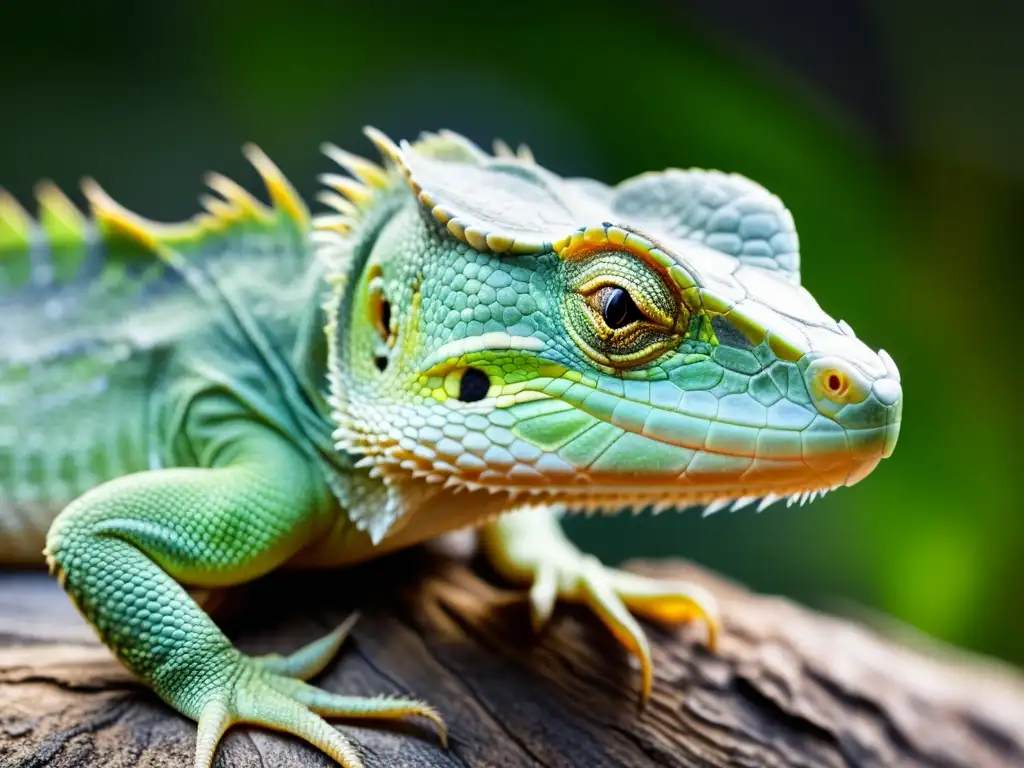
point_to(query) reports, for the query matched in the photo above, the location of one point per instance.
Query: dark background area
(892, 129)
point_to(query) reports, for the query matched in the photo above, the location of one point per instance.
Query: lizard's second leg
(124, 549)
(528, 546)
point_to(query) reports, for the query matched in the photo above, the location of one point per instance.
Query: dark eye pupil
(385, 318)
(619, 310)
(474, 385)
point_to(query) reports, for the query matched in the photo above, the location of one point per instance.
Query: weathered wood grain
(788, 687)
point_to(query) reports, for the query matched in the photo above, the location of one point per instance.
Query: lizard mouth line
(778, 477)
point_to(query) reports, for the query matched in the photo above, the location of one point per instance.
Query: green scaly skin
(465, 339)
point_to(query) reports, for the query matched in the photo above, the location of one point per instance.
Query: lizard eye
(620, 312)
(618, 308)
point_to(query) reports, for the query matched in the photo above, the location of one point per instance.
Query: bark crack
(56, 741)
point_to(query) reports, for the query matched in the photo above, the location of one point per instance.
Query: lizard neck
(439, 514)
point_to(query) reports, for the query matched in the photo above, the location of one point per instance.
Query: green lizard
(465, 339)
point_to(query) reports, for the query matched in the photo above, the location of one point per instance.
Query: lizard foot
(615, 595)
(529, 546)
(270, 691)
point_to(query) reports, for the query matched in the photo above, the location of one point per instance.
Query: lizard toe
(270, 691)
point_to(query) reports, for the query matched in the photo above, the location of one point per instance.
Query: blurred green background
(893, 130)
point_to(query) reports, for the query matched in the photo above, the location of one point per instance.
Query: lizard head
(494, 327)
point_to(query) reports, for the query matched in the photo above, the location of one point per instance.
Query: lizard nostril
(835, 384)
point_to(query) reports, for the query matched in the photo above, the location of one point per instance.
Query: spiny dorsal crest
(352, 197)
(60, 234)
(231, 206)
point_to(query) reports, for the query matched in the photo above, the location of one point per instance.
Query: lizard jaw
(613, 499)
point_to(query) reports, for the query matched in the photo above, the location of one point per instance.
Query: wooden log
(788, 687)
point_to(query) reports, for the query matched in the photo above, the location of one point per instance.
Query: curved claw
(600, 595)
(543, 594)
(668, 602)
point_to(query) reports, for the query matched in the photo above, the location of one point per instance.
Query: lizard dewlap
(460, 339)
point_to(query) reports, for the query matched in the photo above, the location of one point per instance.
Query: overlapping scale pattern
(732, 406)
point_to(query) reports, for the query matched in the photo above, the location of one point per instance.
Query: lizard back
(91, 308)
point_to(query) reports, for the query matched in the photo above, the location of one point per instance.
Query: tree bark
(788, 687)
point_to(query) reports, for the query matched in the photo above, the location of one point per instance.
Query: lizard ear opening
(381, 309)
(380, 317)
(384, 319)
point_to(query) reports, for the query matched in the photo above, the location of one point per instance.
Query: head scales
(526, 210)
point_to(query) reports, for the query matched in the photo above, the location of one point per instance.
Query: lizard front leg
(124, 549)
(528, 546)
